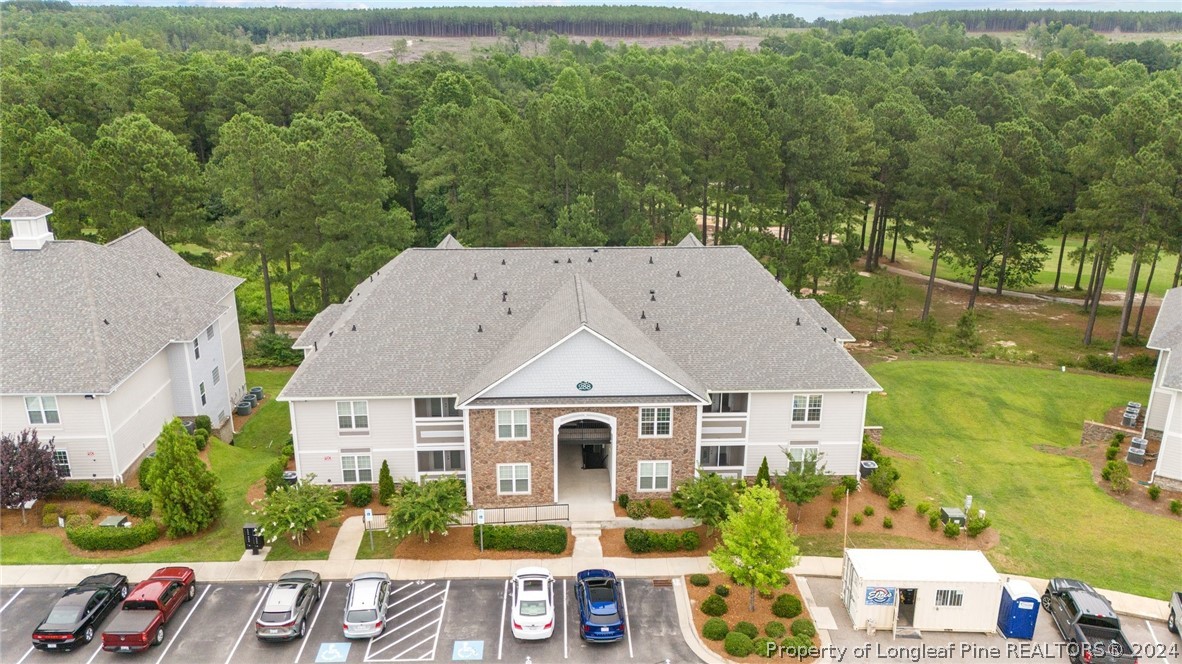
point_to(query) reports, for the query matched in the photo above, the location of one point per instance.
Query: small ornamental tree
(386, 488)
(757, 542)
(804, 480)
(294, 510)
(428, 508)
(185, 489)
(27, 471)
(707, 498)
(764, 475)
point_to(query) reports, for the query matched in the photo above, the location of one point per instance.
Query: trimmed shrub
(78, 520)
(690, 540)
(638, 509)
(738, 644)
(922, 508)
(976, 525)
(722, 590)
(765, 647)
(868, 510)
(93, 513)
(386, 486)
(203, 422)
(797, 646)
(714, 606)
(288, 450)
(1118, 438)
(660, 509)
(857, 519)
(838, 493)
(834, 512)
(888, 523)
(640, 540)
(699, 580)
(882, 480)
(273, 477)
(341, 496)
(934, 521)
(1176, 507)
(786, 606)
(201, 438)
(547, 538)
(766, 593)
(952, 529)
(50, 508)
(98, 538)
(134, 502)
(1154, 493)
(74, 491)
(715, 629)
(869, 450)
(49, 519)
(1110, 453)
(1120, 477)
(849, 483)
(361, 495)
(803, 627)
(622, 501)
(775, 629)
(829, 522)
(896, 501)
(744, 627)
(764, 474)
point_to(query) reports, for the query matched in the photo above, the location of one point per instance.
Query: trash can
(867, 468)
(251, 537)
(1019, 610)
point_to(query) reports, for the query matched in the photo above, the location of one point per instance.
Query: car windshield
(275, 616)
(63, 615)
(533, 608)
(361, 616)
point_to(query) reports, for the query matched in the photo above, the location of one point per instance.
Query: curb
(806, 595)
(685, 613)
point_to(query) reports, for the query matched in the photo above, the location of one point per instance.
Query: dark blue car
(601, 608)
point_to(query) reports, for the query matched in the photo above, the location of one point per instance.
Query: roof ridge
(100, 349)
(579, 301)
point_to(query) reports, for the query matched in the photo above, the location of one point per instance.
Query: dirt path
(1111, 298)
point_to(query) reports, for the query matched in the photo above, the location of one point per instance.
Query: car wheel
(318, 590)
(1172, 623)
(303, 624)
(159, 636)
(88, 635)
(123, 592)
(1046, 602)
(192, 592)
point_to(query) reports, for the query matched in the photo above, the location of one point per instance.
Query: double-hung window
(352, 415)
(197, 348)
(800, 456)
(806, 409)
(436, 407)
(61, 461)
(656, 422)
(513, 424)
(201, 391)
(512, 478)
(653, 476)
(949, 598)
(217, 376)
(356, 468)
(42, 410)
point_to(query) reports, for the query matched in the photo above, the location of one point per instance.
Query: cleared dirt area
(385, 47)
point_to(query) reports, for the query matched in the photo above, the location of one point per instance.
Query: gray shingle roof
(828, 323)
(449, 242)
(690, 240)
(26, 209)
(1167, 335)
(319, 327)
(725, 321)
(79, 318)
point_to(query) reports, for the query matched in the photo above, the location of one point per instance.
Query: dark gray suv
(288, 606)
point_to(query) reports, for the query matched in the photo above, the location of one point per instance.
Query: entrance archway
(584, 462)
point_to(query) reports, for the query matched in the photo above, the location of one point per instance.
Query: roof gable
(26, 209)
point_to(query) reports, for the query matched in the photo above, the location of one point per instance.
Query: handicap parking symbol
(332, 652)
(467, 651)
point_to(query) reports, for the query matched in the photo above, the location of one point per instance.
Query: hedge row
(135, 502)
(643, 541)
(539, 538)
(106, 538)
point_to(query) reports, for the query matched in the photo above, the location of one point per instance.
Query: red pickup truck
(148, 608)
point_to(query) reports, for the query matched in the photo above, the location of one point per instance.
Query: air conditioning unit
(1136, 456)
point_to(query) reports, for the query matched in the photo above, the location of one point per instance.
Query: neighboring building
(532, 372)
(1164, 415)
(101, 345)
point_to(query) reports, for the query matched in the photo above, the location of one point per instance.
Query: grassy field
(971, 428)
(830, 544)
(238, 466)
(1019, 36)
(920, 260)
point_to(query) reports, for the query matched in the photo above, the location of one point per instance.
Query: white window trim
(806, 422)
(353, 430)
(640, 422)
(949, 594)
(44, 423)
(512, 423)
(216, 374)
(201, 393)
(209, 332)
(357, 467)
(197, 347)
(529, 479)
(69, 468)
(668, 475)
(815, 448)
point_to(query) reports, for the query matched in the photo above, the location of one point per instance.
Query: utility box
(251, 537)
(115, 522)
(1019, 610)
(953, 514)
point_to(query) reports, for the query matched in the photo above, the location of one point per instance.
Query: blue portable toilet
(1019, 610)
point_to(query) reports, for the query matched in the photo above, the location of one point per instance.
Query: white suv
(365, 608)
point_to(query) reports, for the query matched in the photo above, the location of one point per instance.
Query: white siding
(390, 438)
(1159, 408)
(1169, 460)
(180, 373)
(584, 357)
(139, 408)
(81, 432)
(233, 371)
(770, 417)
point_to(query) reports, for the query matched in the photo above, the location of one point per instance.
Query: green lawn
(830, 544)
(970, 428)
(383, 546)
(238, 466)
(920, 260)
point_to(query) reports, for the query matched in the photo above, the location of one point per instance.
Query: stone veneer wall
(1096, 432)
(538, 451)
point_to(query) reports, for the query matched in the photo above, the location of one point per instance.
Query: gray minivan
(365, 608)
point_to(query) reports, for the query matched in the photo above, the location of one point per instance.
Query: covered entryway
(584, 464)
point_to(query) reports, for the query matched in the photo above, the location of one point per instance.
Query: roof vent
(556, 261)
(106, 322)
(588, 259)
(650, 260)
(502, 261)
(652, 298)
(371, 277)
(658, 327)
(595, 251)
(679, 273)
(504, 296)
(510, 311)
(798, 322)
(824, 329)
(350, 299)
(330, 332)
(569, 261)
(479, 328)
(158, 275)
(642, 316)
(315, 346)
(474, 276)
(354, 327)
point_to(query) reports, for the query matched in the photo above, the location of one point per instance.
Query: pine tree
(386, 486)
(757, 542)
(185, 489)
(764, 476)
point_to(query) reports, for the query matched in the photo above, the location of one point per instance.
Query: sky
(808, 9)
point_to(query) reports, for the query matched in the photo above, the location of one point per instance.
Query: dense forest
(1010, 20)
(820, 152)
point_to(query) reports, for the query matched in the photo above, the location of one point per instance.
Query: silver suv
(288, 605)
(365, 608)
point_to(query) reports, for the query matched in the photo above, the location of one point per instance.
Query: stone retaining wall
(1098, 432)
(873, 434)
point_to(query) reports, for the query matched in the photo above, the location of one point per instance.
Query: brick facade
(538, 451)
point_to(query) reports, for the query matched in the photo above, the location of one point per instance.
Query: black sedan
(75, 617)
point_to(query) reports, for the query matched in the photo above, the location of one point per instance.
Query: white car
(532, 590)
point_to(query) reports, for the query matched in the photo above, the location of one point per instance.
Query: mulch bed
(612, 541)
(459, 545)
(737, 604)
(10, 524)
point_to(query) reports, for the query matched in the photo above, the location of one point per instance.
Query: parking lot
(1153, 642)
(427, 621)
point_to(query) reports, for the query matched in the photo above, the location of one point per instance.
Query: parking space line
(96, 652)
(10, 599)
(320, 605)
(504, 604)
(423, 589)
(389, 618)
(628, 618)
(27, 653)
(439, 627)
(565, 620)
(392, 630)
(395, 642)
(1153, 635)
(249, 621)
(399, 655)
(184, 622)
